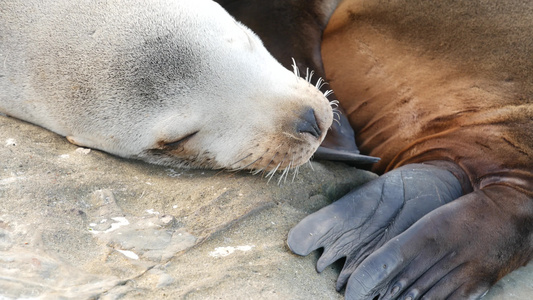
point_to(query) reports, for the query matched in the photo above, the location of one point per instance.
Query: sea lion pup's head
(228, 103)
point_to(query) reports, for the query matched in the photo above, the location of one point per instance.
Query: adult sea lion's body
(442, 92)
(170, 82)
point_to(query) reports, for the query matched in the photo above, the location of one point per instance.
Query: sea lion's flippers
(412, 233)
(362, 221)
(457, 251)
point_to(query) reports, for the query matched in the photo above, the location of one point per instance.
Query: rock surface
(79, 223)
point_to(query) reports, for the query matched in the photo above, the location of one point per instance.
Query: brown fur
(451, 80)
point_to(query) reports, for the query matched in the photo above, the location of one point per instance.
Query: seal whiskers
(320, 83)
(286, 170)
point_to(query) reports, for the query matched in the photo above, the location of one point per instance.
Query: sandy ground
(79, 223)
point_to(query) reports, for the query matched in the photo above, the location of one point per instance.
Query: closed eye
(178, 143)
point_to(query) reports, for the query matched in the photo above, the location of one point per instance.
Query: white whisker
(270, 162)
(311, 165)
(334, 103)
(250, 164)
(327, 93)
(284, 174)
(319, 83)
(309, 77)
(288, 169)
(272, 172)
(295, 173)
(255, 172)
(295, 68)
(238, 161)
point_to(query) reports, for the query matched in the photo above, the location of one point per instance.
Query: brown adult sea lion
(443, 93)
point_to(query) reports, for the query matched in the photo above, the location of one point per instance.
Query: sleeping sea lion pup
(172, 82)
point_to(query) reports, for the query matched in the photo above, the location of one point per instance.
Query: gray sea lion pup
(173, 82)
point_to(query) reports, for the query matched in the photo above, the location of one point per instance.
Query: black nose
(307, 123)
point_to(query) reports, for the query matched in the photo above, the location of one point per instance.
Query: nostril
(308, 123)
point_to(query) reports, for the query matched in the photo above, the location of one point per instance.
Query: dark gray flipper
(365, 219)
(457, 251)
(293, 30)
(404, 235)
